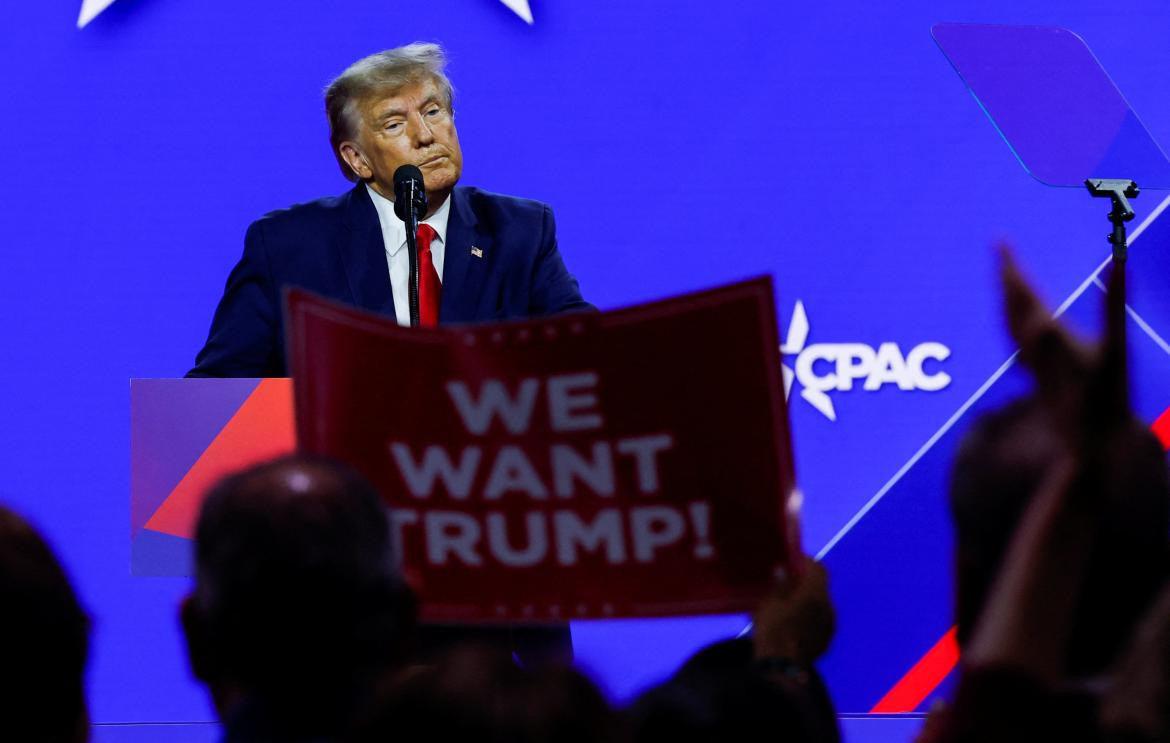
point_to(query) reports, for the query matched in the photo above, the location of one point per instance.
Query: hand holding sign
(583, 466)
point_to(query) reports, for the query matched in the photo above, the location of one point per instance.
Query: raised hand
(796, 620)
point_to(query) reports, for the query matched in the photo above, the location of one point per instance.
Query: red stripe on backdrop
(1161, 428)
(922, 679)
(925, 676)
(263, 428)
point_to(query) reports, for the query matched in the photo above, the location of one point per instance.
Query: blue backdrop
(681, 144)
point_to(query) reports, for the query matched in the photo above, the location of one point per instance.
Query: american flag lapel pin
(476, 252)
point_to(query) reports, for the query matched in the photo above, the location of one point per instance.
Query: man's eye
(434, 111)
(393, 126)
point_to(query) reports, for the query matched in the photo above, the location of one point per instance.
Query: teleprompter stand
(1119, 191)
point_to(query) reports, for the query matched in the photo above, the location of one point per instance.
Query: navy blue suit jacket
(334, 247)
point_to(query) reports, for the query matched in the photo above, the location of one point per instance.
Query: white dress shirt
(397, 257)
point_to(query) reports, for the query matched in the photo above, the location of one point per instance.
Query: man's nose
(423, 135)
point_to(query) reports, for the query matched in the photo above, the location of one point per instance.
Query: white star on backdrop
(520, 8)
(91, 8)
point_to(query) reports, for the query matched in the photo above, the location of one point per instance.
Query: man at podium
(481, 256)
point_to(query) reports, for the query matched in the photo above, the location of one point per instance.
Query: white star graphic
(792, 346)
(794, 343)
(90, 10)
(520, 8)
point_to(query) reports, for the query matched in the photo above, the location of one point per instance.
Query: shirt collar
(394, 229)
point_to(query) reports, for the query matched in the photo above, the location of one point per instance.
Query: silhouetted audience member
(711, 706)
(480, 694)
(297, 607)
(759, 688)
(1061, 508)
(1000, 467)
(44, 641)
(1136, 709)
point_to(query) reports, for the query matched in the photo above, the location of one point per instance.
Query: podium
(186, 434)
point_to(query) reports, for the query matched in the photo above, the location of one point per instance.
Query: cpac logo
(824, 367)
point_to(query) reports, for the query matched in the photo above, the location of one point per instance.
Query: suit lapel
(463, 271)
(363, 254)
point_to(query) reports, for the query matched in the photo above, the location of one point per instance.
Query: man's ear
(356, 159)
(200, 648)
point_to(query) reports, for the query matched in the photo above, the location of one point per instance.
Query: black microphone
(410, 204)
(409, 192)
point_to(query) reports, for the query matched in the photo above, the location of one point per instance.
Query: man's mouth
(432, 160)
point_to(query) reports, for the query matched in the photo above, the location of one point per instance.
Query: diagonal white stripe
(981, 391)
(1140, 321)
(918, 455)
(1150, 219)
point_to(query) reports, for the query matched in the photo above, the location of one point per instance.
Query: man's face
(414, 126)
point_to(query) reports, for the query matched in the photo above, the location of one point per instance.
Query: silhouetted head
(297, 606)
(721, 694)
(480, 694)
(711, 708)
(44, 641)
(999, 467)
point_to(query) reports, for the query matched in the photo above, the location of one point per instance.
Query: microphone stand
(411, 222)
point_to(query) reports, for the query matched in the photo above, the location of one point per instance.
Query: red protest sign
(632, 463)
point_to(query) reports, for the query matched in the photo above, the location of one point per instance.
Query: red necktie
(429, 287)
